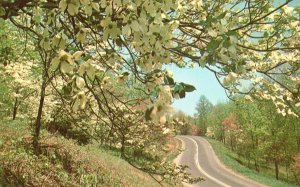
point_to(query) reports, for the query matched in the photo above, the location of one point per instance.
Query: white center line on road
(196, 157)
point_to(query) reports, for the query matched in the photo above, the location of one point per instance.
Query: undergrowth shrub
(61, 163)
(68, 130)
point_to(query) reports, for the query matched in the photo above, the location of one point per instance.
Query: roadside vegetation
(252, 138)
(238, 164)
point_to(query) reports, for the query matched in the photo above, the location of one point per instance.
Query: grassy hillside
(62, 162)
(230, 159)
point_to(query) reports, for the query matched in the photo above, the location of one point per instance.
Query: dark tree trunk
(123, 146)
(276, 168)
(256, 165)
(223, 139)
(287, 171)
(38, 122)
(253, 148)
(16, 105)
(15, 109)
(298, 144)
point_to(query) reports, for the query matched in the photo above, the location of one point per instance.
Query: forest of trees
(262, 137)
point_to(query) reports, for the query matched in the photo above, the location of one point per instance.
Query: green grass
(229, 158)
(117, 166)
(9, 129)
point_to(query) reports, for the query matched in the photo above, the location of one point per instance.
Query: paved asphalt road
(202, 161)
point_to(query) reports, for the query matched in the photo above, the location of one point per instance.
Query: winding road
(202, 161)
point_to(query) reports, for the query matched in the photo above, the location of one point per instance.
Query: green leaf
(156, 71)
(181, 94)
(226, 43)
(2, 22)
(125, 73)
(169, 80)
(189, 88)
(67, 90)
(221, 16)
(212, 45)
(119, 42)
(2, 11)
(182, 88)
(178, 88)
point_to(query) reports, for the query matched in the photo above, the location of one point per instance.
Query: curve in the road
(202, 170)
(202, 161)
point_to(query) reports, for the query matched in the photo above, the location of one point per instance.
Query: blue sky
(294, 3)
(205, 83)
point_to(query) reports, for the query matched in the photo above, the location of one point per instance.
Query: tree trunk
(298, 144)
(16, 105)
(231, 143)
(256, 165)
(253, 148)
(15, 109)
(276, 168)
(123, 146)
(38, 122)
(248, 162)
(287, 171)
